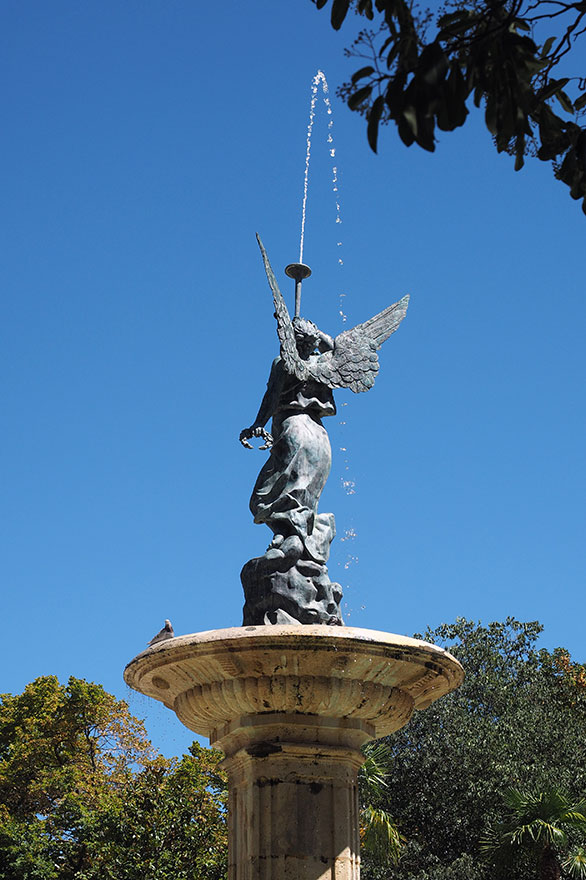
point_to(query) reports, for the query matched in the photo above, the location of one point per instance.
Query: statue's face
(305, 336)
(306, 343)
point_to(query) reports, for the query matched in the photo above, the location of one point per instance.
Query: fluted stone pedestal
(290, 706)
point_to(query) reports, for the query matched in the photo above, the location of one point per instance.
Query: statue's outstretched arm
(271, 397)
(267, 408)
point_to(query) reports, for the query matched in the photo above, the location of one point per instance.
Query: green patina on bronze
(290, 582)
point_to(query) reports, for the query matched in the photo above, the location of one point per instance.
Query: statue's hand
(253, 431)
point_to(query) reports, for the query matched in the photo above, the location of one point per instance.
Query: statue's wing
(291, 360)
(386, 322)
(353, 363)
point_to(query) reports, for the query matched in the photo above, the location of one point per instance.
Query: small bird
(166, 633)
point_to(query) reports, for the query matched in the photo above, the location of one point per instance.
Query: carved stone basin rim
(213, 677)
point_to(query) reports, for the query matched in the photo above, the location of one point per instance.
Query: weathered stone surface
(295, 817)
(291, 706)
(212, 677)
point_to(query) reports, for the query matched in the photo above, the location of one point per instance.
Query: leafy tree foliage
(518, 720)
(426, 62)
(83, 795)
(170, 824)
(55, 740)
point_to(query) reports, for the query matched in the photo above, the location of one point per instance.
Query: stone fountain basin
(372, 680)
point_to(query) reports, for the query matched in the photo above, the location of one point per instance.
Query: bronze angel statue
(290, 583)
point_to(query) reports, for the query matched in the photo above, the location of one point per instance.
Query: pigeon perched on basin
(166, 633)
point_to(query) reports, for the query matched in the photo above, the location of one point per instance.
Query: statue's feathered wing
(353, 362)
(293, 363)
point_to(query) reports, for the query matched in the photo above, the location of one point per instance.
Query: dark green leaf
(457, 28)
(535, 64)
(373, 121)
(405, 131)
(519, 153)
(450, 18)
(425, 132)
(365, 8)
(408, 52)
(553, 134)
(356, 99)
(410, 117)
(546, 48)
(551, 88)
(580, 102)
(364, 71)
(547, 152)
(433, 64)
(394, 51)
(490, 115)
(339, 10)
(386, 43)
(452, 111)
(564, 101)
(522, 44)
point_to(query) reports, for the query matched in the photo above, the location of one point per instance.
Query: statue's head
(307, 335)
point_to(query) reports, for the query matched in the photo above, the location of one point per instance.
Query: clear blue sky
(144, 143)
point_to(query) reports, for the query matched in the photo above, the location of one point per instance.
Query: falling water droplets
(319, 80)
(348, 535)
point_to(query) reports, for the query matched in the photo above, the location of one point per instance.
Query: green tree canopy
(57, 740)
(518, 720)
(423, 64)
(83, 794)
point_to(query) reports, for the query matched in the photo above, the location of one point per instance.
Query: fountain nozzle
(297, 271)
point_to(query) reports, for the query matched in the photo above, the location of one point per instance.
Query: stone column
(293, 797)
(291, 706)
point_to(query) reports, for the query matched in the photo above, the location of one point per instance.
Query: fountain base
(291, 706)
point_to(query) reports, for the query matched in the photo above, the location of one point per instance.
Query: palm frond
(494, 843)
(379, 835)
(576, 817)
(536, 820)
(376, 768)
(575, 863)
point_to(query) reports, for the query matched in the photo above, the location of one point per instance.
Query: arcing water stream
(320, 79)
(348, 484)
